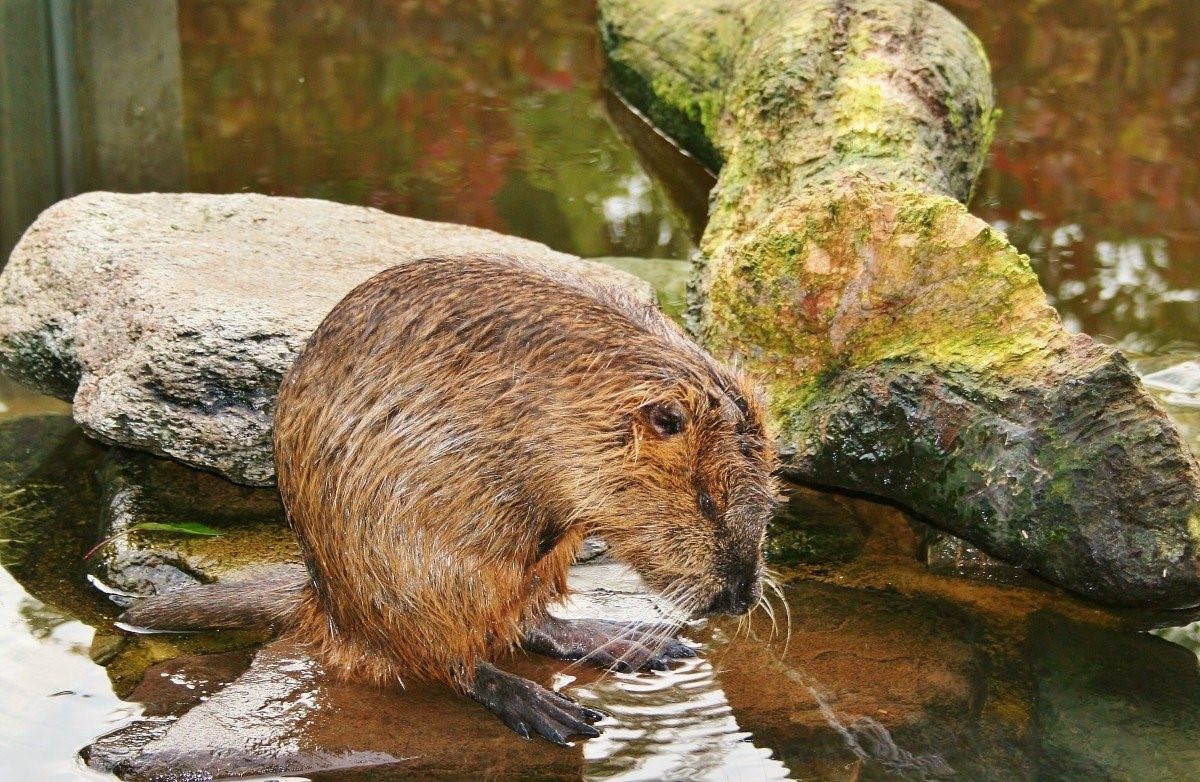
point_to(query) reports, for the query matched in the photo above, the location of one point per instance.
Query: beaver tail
(266, 601)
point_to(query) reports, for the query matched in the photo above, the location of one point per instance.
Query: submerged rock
(284, 716)
(1112, 706)
(143, 497)
(169, 319)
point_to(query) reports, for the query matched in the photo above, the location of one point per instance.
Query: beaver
(445, 440)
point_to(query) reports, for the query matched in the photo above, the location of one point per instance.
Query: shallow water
(491, 114)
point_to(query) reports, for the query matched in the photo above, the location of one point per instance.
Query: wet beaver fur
(446, 439)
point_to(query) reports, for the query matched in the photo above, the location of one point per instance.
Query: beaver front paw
(523, 705)
(619, 646)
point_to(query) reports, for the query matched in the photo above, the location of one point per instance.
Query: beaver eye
(665, 418)
(707, 506)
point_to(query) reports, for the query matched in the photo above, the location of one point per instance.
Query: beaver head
(695, 493)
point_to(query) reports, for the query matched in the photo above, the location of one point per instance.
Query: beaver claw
(619, 646)
(523, 705)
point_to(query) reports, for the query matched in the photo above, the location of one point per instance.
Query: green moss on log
(907, 348)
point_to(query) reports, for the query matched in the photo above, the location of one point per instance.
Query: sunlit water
(492, 115)
(673, 724)
(54, 696)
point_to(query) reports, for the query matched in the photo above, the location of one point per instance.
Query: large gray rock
(169, 319)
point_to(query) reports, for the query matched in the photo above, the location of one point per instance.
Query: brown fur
(456, 426)
(269, 599)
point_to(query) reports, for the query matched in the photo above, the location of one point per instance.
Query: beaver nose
(738, 596)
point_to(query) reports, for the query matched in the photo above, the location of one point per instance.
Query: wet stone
(139, 489)
(128, 662)
(173, 686)
(284, 716)
(143, 572)
(106, 646)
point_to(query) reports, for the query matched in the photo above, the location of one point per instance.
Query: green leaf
(185, 528)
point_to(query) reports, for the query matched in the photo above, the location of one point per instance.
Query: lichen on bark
(907, 347)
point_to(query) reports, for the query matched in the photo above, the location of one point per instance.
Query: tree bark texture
(907, 348)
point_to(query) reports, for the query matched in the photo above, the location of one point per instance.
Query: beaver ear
(665, 418)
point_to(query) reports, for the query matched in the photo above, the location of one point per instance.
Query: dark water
(492, 114)
(446, 112)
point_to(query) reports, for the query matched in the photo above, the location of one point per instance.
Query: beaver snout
(739, 596)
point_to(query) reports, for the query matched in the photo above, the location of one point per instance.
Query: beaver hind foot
(523, 706)
(618, 646)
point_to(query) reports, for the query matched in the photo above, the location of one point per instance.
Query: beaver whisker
(771, 581)
(765, 604)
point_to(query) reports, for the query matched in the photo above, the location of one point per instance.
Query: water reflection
(1094, 171)
(676, 724)
(54, 695)
(1174, 380)
(1179, 384)
(464, 112)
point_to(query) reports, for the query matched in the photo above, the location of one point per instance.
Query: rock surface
(908, 349)
(281, 717)
(139, 489)
(169, 320)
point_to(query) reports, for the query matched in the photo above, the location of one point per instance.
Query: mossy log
(907, 348)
